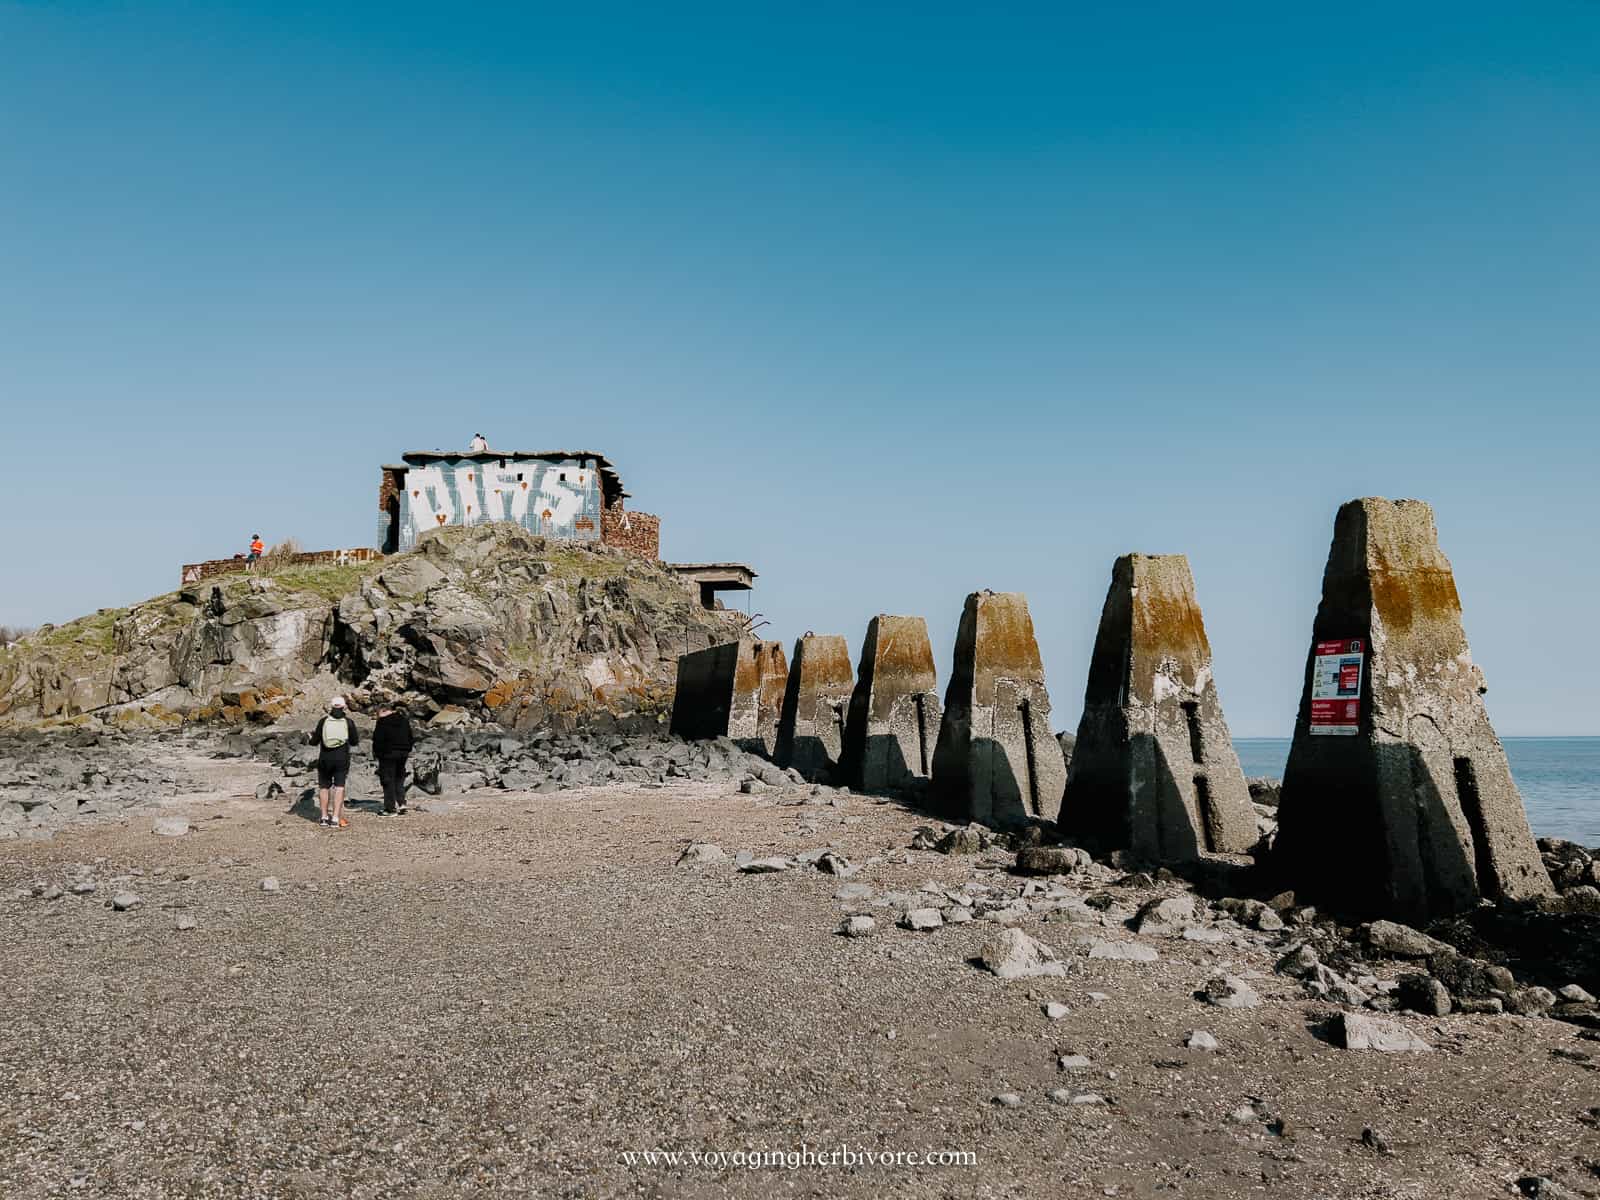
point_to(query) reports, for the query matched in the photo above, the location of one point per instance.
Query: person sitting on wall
(479, 445)
(333, 737)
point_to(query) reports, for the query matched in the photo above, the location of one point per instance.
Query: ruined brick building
(574, 494)
(571, 494)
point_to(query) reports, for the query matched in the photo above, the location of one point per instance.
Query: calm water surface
(1559, 779)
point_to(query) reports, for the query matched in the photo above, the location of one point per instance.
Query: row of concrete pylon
(1397, 799)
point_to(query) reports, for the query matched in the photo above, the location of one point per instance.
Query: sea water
(1559, 779)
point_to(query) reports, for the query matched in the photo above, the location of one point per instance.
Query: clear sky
(893, 302)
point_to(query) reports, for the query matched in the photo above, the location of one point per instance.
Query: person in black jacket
(391, 744)
(334, 735)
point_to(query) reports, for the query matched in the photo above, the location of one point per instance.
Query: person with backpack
(334, 735)
(392, 741)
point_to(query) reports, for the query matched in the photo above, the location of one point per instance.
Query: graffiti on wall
(556, 499)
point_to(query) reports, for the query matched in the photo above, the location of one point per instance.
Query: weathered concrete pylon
(997, 761)
(1154, 770)
(733, 690)
(815, 704)
(1397, 800)
(893, 722)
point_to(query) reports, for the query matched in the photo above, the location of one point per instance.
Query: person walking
(391, 745)
(334, 735)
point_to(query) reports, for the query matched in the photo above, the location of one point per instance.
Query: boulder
(1359, 1031)
(698, 854)
(1229, 991)
(1400, 941)
(1012, 954)
(1051, 860)
(923, 920)
(1423, 994)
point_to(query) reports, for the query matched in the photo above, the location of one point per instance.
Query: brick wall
(636, 531)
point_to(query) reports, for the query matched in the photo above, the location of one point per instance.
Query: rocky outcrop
(529, 631)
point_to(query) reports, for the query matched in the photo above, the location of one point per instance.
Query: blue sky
(893, 302)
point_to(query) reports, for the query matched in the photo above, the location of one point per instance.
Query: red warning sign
(1336, 686)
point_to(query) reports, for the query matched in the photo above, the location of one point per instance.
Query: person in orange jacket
(257, 547)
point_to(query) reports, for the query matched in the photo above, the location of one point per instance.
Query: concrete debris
(1415, 777)
(893, 719)
(816, 701)
(997, 761)
(1154, 769)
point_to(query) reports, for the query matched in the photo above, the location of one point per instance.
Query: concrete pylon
(893, 723)
(1154, 770)
(997, 761)
(816, 702)
(733, 690)
(1397, 800)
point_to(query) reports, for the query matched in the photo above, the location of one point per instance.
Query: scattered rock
(1051, 860)
(1299, 962)
(1073, 1062)
(1123, 951)
(1531, 1001)
(1400, 941)
(123, 901)
(270, 884)
(922, 919)
(766, 866)
(1229, 991)
(184, 923)
(1008, 1100)
(1572, 992)
(1423, 994)
(701, 853)
(836, 864)
(858, 926)
(170, 826)
(960, 841)
(1358, 1031)
(1012, 954)
(1164, 916)
(1056, 1011)
(1199, 1039)
(1542, 1187)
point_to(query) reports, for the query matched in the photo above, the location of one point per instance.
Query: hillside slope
(535, 632)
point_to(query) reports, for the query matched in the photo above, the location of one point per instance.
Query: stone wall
(195, 572)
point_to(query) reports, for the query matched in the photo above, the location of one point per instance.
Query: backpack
(335, 732)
